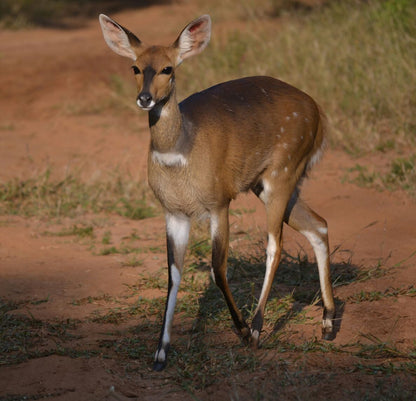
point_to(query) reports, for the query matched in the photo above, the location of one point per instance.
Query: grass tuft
(402, 175)
(43, 196)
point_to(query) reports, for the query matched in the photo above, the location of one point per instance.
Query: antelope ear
(193, 39)
(120, 40)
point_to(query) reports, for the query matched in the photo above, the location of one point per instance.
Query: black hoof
(159, 366)
(245, 333)
(328, 335)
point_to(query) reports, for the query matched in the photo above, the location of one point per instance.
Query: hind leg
(304, 220)
(276, 203)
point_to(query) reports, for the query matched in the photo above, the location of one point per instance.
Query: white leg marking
(177, 227)
(213, 275)
(214, 225)
(271, 250)
(320, 249)
(264, 195)
(323, 230)
(214, 233)
(271, 253)
(176, 279)
(160, 356)
(327, 323)
(321, 253)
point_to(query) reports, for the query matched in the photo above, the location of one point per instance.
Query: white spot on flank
(286, 169)
(274, 173)
(301, 137)
(278, 136)
(289, 157)
(169, 158)
(287, 118)
(295, 114)
(285, 145)
(282, 129)
(306, 119)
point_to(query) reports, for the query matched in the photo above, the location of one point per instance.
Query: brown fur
(255, 133)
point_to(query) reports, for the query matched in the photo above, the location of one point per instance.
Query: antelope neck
(166, 127)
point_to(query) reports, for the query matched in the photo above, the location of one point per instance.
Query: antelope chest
(174, 186)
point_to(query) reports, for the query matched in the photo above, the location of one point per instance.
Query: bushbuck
(255, 133)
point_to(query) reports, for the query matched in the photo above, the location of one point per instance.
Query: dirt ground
(54, 114)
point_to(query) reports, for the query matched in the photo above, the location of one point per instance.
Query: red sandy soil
(50, 82)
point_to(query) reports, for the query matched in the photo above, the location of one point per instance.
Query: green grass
(123, 249)
(370, 296)
(46, 197)
(133, 261)
(89, 300)
(80, 231)
(401, 175)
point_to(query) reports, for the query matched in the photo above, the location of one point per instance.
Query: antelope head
(154, 66)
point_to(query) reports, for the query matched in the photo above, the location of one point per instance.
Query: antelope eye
(135, 70)
(167, 70)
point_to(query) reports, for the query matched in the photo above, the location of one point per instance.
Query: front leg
(220, 243)
(177, 235)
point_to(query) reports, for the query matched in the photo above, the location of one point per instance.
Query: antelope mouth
(146, 107)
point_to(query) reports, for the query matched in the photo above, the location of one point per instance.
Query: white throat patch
(169, 158)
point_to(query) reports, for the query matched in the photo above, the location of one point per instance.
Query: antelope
(255, 133)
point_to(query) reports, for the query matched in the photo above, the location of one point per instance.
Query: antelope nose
(144, 99)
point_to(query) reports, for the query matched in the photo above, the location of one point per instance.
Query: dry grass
(47, 197)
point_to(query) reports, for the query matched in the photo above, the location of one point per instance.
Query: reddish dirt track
(51, 81)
